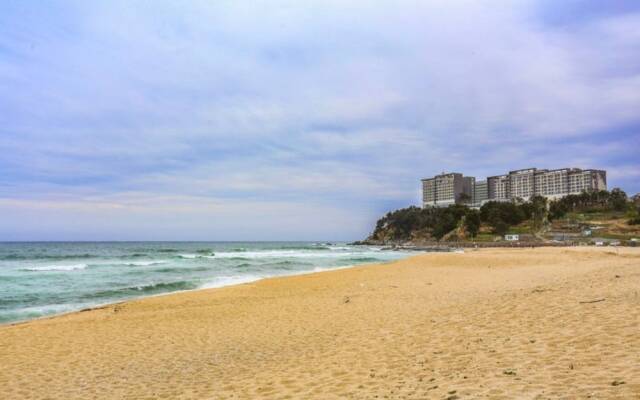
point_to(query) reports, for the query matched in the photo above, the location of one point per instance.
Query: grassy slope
(612, 224)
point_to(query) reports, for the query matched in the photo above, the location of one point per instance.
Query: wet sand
(496, 323)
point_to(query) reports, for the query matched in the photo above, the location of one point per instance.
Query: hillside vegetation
(611, 214)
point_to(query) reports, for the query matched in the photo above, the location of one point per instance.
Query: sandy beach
(541, 323)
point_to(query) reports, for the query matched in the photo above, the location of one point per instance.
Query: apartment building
(480, 193)
(555, 183)
(552, 182)
(446, 189)
(586, 180)
(468, 185)
(498, 187)
(522, 183)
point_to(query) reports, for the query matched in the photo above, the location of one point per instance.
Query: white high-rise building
(446, 189)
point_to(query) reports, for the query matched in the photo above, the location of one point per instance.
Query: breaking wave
(57, 267)
(154, 288)
(15, 257)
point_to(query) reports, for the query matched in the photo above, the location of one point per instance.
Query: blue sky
(267, 120)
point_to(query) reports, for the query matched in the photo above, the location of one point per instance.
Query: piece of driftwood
(592, 301)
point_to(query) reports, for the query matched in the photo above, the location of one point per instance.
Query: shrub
(472, 222)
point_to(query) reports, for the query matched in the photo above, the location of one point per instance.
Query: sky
(290, 120)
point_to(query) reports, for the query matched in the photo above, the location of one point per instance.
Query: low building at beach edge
(454, 188)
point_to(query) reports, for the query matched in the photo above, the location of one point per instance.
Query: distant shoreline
(448, 246)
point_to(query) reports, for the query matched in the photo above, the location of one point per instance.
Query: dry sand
(496, 323)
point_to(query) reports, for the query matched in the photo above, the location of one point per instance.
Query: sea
(46, 278)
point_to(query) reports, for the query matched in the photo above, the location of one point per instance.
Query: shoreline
(492, 323)
(204, 288)
(450, 246)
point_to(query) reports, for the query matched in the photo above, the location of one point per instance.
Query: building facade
(468, 184)
(480, 193)
(522, 183)
(446, 189)
(552, 182)
(498, 187)
(453, 188)
(586, 180)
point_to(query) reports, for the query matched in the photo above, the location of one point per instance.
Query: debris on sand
(592, 301)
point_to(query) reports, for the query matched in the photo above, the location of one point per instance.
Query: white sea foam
(189, 255)
(144, 263)
(322, 269)
(278, 254)
(46, 309)
(230, 280)
(58, 267)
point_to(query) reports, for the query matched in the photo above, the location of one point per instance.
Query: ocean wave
(144, 263)
(230, 280)
(305, 247)
(190, 256)
(57, 268)
(153, 288)
(363, 259)
(269, 254)
(18, 314)
(322, 269)
(181, 269)
(14, 257)
(287, 265)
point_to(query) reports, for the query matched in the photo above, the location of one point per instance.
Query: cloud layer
(283, 120)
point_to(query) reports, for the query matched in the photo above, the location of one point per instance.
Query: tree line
(499, 216)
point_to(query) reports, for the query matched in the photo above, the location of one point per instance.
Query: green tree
(472, 222)
(500, 215)
(618, 199)
(538, 211)
(501, 228)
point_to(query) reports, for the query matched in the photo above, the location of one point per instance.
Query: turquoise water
(38, 279)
